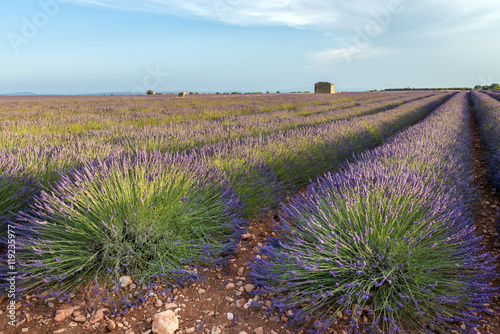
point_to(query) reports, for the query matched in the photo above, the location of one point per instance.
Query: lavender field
(374, 193)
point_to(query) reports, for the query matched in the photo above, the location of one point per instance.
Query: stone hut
(323, 87)
(182, 94)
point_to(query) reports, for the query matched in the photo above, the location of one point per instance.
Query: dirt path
(486, 214)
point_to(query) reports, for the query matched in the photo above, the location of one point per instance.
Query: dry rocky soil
(221, 302)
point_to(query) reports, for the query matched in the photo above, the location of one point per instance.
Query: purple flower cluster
(392, 231)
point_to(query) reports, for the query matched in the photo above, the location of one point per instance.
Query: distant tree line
(493, 86)
(408, 88)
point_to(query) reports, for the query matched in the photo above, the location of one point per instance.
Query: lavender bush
(253, 180)
(391, 231)
(138, 213)
(17, 190)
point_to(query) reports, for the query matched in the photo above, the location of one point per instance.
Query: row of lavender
(487, 112)
(76, 114)
(146, 212)
(391, 232)
(264, 169)
(44, 161)
(57, 122)
(193, 133)
(187, 135)
(46, 153)
(42, 156)
(495, 94)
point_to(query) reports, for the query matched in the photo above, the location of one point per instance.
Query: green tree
(495, 86)
(150, 92)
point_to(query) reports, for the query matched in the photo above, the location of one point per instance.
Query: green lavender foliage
(139, 214)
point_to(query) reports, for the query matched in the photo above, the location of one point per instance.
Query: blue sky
(91, 46)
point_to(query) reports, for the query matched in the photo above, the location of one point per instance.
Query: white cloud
(321, 14)
(346, 54)
(324, 15)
